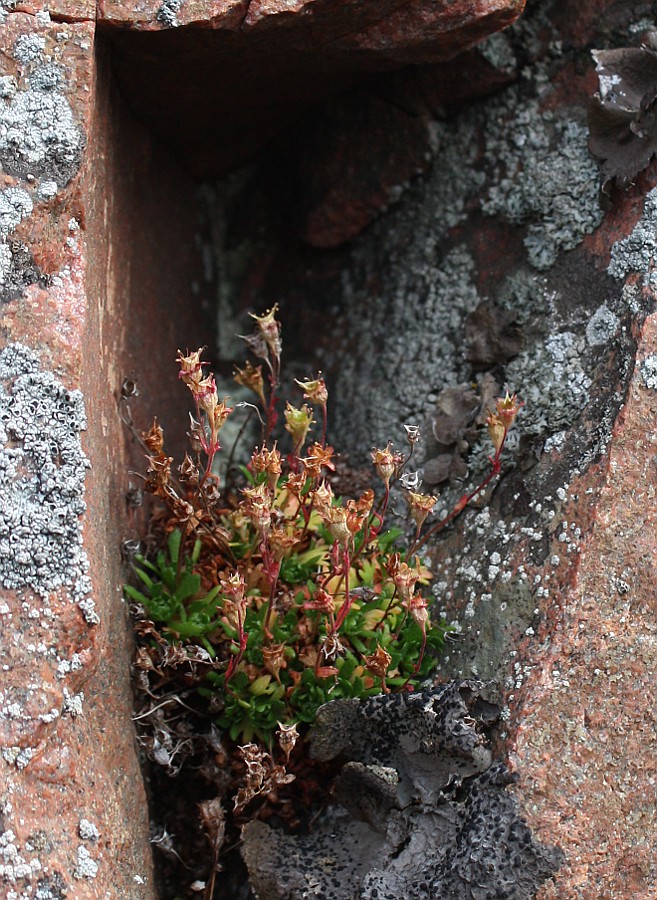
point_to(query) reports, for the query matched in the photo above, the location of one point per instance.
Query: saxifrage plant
(272, 598)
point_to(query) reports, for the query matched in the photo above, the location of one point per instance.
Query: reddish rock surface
(586, 719)
(74, 817)
(59, 10)
(236, 75)
(437, 29)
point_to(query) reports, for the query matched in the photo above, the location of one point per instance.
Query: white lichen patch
(73, 703)
(15, 204)
(64, 666)
(15, 866)
(649, 371)
(18, 756)
(87, 830)
(41, 144)
(29, 47)
(42, 482)
(86, 866)
(5, 8)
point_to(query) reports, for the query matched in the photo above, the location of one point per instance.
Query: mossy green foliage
(296, 679)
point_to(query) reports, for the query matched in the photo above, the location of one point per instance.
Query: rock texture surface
(458, 241)
(426, 814)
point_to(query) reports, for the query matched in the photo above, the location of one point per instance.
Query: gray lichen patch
(17, 266)
(42, 482)
(536, 172)
(636, 254)
(543, 177)
(167, 14)
(18, 270)
(15, 204)
(554, 401)
(28, 47)
(602, 327)
(40, 143)
(419, 770)
(6, 7)
(38, 132)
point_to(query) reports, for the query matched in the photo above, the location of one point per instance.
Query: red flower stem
(273, 582)
(387, 610)
(306, 513)
(237, 659)
(384, 506)
(346, 605)
(271, 409)
(462, 503)
(418, 664)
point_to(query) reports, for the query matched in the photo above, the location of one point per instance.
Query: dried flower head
(507, 409)
(257, 770)
(496, 431)
(251, 377)
(159, 468)
(359, 510)
(378, 662)
(384, 463)
(403, 576)
(318, 458)
(336, 519)
(287, 738)
(281, 542)
(257, 506)
(233, 586)
(274, 659)
(332, 648)
(295, 483)
(419, 506)
(213, 821)
(410, 480)
(412, 434)
(269, 330)
(216, 412)
(268, 461)
(154, 438)
(323, 497)
(315, 391)
(322, 601)
(417, 607)
(188, 471)
(191, 369)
